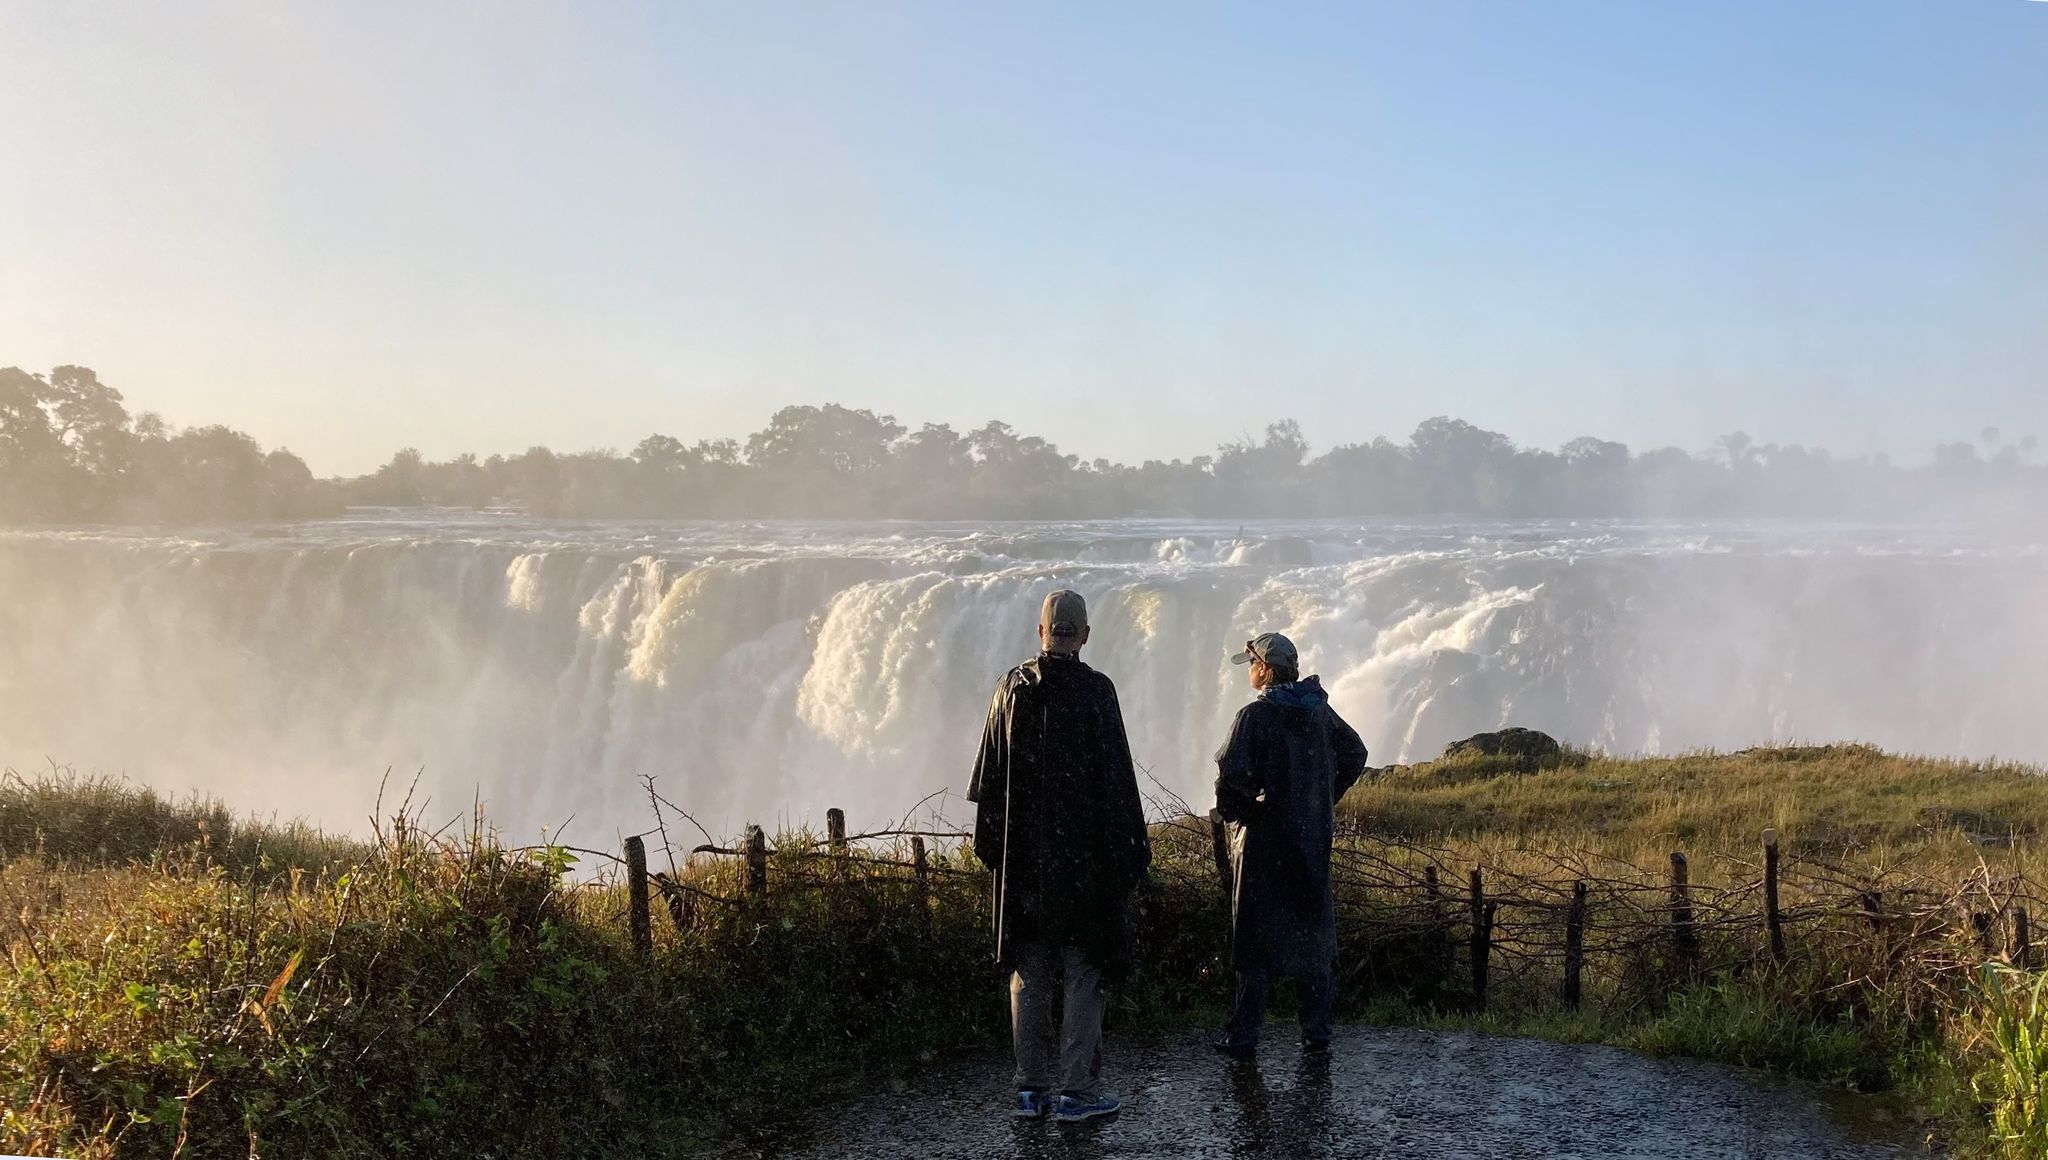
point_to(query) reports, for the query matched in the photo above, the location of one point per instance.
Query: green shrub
(2013, 1083)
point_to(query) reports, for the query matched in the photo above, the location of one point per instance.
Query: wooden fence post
(1873, 905)
(1773, 919)
(1873, 908)
(1482, 939)
(757, 861)
(636, 897)
(835, 830)
(1219, 842)
(1574, 944)
(2022, 949)
(1439, 941)
(922, 870)
(1685, 941)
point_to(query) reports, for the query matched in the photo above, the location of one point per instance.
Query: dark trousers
(1315, 991)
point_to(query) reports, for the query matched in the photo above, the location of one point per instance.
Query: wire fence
(1452, 926)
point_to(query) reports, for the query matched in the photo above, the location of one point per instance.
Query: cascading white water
(766, 672)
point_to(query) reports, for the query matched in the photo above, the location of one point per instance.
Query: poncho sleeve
(1239, 781)
(1349, 756)
(989, 788)
(1127, 807)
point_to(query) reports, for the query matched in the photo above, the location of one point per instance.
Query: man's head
(1273, 659)
(1063, 622)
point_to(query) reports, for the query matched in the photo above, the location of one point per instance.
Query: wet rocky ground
(1388, 1092)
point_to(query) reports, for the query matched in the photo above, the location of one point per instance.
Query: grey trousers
(1058, 1041)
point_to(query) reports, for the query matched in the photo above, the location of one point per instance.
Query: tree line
(70, 451)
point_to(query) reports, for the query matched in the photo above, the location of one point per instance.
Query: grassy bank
(431, 995)
(181, 982)
(1836, 800)
(1887, 984)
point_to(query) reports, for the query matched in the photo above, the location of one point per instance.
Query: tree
(1366, 478)
(1596, 476)
(1020, 476)
(1263, 478)
(716, 452)
(1456, 464)
(1278, 457)
(221, 474)
(37, 477)
(829, 438)
(1957, 457)
(821, 460)
(662, 454)
(533, 479)
(90, 419)
(1736, 449)
(289, 481)
(929, 472)
(401, 482)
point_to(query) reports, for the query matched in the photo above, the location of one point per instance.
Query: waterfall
(765, 672)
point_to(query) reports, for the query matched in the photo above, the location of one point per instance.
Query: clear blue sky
(1138, 229)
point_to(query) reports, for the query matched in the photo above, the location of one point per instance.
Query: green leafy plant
(2014, 1084)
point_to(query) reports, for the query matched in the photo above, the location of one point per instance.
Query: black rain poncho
(1058, 816)
(1289, 758)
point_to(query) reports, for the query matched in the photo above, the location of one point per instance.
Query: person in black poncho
(1289, 758)
(1059, 820)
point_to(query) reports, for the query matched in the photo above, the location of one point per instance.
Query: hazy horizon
(1142, 233)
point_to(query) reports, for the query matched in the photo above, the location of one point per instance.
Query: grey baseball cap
(1064, 614)
(1269, 647)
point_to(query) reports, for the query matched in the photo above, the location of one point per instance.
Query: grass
(62, 818)
(435, 995)
(1849, 1009)
(181, 982)
(1837, 800)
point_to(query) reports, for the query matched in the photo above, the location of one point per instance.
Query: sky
(1138, 229)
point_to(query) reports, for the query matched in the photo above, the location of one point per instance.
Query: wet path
(1381, 1092)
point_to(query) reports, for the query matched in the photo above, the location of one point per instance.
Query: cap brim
(1241, 658)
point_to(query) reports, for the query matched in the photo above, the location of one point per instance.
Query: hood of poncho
(1306, 693)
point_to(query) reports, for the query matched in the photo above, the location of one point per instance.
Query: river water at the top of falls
(765, 671)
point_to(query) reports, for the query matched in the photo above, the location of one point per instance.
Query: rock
(1532, 748)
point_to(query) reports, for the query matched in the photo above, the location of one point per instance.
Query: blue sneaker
(1031, 1104)
(1074, 1109)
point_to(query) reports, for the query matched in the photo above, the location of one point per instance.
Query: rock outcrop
(1528, 746)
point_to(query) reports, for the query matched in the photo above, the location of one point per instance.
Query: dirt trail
(1381, 1092)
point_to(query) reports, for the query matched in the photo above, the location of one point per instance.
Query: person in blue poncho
(1289, 758)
